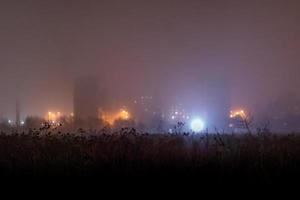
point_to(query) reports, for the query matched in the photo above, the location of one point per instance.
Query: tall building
(18, 120)
(216, 97)
(86, 99)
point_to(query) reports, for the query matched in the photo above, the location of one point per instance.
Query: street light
(197, 125)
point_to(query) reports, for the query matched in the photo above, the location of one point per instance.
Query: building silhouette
(85, 100)
(18, 119)
(216, 100)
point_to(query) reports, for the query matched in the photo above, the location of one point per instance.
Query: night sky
(163, 48)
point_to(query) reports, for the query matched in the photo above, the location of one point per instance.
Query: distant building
(148, 112)
(18, 120)
(216, 96)
(144, 108)
(86, 99)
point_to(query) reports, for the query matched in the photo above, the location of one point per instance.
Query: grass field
(250, 157)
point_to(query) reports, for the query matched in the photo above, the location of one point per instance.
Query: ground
(264, 158)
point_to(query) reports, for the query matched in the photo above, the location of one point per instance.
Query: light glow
(238, 113)
(197, 125)
(110, 118)
(52, 117)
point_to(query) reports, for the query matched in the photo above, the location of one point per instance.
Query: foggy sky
(163, 48)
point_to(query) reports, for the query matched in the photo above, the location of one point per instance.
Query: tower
(85, 100)
(217, 102)
(18, 121)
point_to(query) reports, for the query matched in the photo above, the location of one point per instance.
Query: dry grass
(263, 157)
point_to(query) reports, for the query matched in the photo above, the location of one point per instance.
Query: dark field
(252, 158)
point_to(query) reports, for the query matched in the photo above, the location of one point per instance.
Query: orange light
(123, 114)
(112, 117)
(53, 116)
(239, 113)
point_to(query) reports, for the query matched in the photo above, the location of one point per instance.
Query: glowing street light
(239, 113)
(120, 115)
(124, 115)
(53, 116)
(197, 125)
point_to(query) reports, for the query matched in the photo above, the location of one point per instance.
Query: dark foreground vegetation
(263, 158)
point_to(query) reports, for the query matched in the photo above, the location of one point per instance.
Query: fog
(160, 48)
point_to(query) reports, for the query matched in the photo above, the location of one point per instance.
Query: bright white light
(22, 123)
(197, 125)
